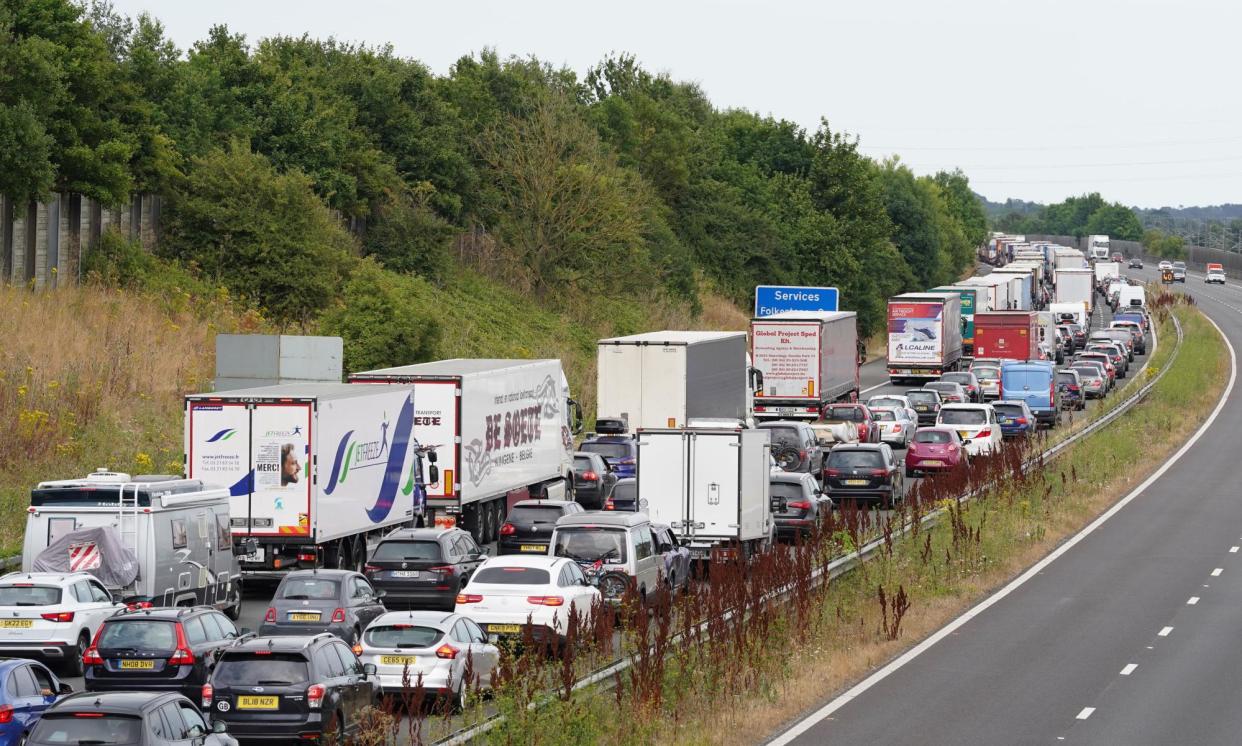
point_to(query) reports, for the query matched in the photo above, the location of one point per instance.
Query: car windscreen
(884, 415)
(1033, 380)
(402, 636)
(962, 378)
(395, 550)
(590, 543)
(29, 595)
(852, 459)
(532, 513)
(783, 434)
(923, 397)
(260, 669)
(582, 463)
(510, 576)
(948, 388)
(315, 589)
(987, 373)
(625, 491)
(1087, 372)
(87, 727)
(1067, 378)
(883, 401)
(1008, 410)
(610, 451)
(848, 414)
(787, 490)
(963, 416)
(138, 634)
(932, 436)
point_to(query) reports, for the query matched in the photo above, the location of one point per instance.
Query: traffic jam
(417, 523)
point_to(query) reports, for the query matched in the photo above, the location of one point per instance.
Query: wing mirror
(64, 689)
(368, 669)
(433, 472)
(219, 726)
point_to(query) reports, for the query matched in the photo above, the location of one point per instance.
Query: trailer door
(715, 484)
(620, 371)
(662, 478)
(218, 452)
(663, 386)
(280, 437)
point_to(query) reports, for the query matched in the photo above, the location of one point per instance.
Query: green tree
(406, 236)
(379, 321)
(1115, 221)
(263, 234)
(1163, 245)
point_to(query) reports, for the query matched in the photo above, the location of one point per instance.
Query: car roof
(57, 578)
(603, 518)
(1013, 402)
(280, 643)
(322, 573)
(542, 561)
(859, 447)
(168, 613)
(130, 703)
(419, 533)
(965, 406)
(540, 503)
(937, 428)
(792, 477)
(435, 618)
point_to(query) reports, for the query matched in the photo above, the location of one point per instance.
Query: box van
(1132, 296)
(1034, 382)
(619, 548)
(161, 540)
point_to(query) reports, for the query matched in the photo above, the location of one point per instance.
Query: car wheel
(73, 666)
(234, 611)
(909, 472)
(459, 700)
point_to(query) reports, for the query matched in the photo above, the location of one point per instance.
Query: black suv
(528, 528)
(166, 649)
(866, 470)
(424, 568)
(130, 718)
(593, 480)
(307, 602)
(282, 688)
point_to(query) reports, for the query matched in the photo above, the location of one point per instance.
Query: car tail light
(508, 529)
(270, 616)
(984, 434)
(6, 713)
(445, 569)
(800, 505)
(314, 696)
(370, 568)
(546, 600)
(590, 476)
(306, 557)
(896, 428)
(468, 598)
(182, 655)
(338, 616)
(357, 649)
(832, 472)
(877, 472)
(133, 605)
(91, 657)
(208, 694)
(1021, 420)
(447, 652)
(609, 504)
(59, 616)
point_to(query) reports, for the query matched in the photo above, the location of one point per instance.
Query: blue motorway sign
(771, 299)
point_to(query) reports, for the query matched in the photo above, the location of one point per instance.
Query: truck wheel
(338, 556)
(500, 519)
(486, 515)
(360, 554)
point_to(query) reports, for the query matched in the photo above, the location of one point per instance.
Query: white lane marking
(900, 661)
(873, 388)
(1086, 713)
(1129, 669)
(1217, 572)
(1192, 600)
(1233, 550)
(1165, 632)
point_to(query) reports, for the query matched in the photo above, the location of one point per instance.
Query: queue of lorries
(374, 502)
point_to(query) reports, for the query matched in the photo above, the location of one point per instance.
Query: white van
(151, 540)
(1132, 296)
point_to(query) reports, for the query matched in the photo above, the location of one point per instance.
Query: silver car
(897, 425)
(795, 446)
(431, 648)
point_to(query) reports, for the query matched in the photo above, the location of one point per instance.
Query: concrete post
(18, 276)
(125, 214)
(6, 240)
(146, 231)
(41, 244)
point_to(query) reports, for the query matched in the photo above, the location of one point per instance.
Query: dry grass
(94, 377)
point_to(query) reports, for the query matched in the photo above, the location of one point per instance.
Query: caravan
(151, 540)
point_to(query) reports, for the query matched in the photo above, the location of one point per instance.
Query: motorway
(1127, 634)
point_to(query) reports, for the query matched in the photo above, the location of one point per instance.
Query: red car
(934, 449)
(1104, 358)
(1117, 257)
(868, 428)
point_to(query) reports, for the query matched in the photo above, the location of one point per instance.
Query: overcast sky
(1038, 100)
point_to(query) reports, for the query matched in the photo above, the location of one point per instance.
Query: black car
(593, 479)
(926, 404)
(423, 568)
(1079, 335)
(1136, 263)
(283, 688)
(799, 502)
(129, 718)
(624, 495)
(528, 528)
(307, 602)
(160, 649)
(864, 471)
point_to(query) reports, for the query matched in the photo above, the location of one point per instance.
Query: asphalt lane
(1129, 637)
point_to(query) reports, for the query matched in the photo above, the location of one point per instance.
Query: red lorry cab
(1009, 335)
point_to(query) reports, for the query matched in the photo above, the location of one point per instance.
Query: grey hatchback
(308, 602)
(795, 447)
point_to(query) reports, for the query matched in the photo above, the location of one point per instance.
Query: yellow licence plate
(534, 548)
(129, 665)
(304, 617)
(258, 703)
(505, 629)
(856, 482)
(398, 660)
(16, 623)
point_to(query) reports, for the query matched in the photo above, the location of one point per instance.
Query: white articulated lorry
(1076, 286)
(711, 485)
(668, 378)
(808, 359)
(314, 470)
(1097, 248)
(501, 430)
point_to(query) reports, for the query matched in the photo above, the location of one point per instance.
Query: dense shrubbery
(1076, 216)
(619, 183)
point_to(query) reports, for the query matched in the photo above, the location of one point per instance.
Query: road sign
(771, 299)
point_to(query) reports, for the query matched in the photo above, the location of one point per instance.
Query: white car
(897, 425)
(989, 379)
(1165, 265)
(52, 616)
(1215, 275)
(507, 591)
(976, 425)
(430, 648)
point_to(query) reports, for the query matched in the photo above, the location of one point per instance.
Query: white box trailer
(502, 430)
(1106, 272)
(808, 359)
(667, 378)
(998, 290)
(1067, 258)
(710, 485)
(314, 470)
(1076, 286)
